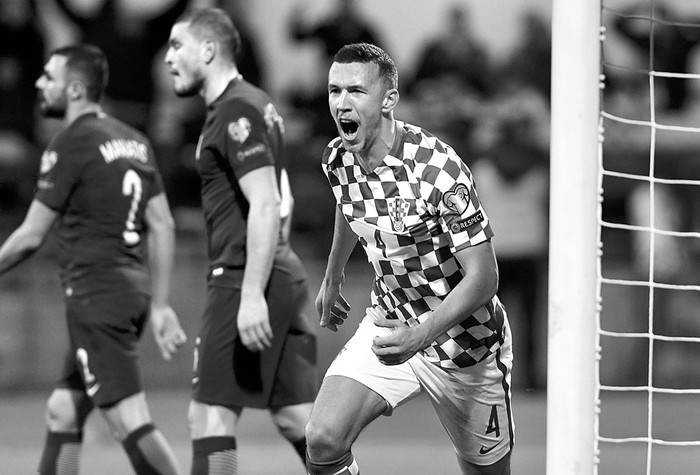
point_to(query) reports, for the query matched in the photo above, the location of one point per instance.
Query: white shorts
(473, 404)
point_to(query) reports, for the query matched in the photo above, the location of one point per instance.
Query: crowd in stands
(495, 113)
(493, 110)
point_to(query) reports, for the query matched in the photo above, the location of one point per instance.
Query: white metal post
(573, 237)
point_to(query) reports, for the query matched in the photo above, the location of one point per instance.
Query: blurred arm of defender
(167, 331)
(260, 189)
(330, 304)
(28, 237)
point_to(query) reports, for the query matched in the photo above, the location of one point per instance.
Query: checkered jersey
(411, 214)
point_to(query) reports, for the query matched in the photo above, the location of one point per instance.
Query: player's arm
(330, 304)
(28, 237)
(166, 327)
(476, 289)
(259, 187)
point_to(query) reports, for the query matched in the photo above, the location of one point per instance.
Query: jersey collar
(232, 84)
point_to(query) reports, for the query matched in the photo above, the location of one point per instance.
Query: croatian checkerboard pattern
(412, 214)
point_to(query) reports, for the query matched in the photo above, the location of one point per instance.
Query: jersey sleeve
(454, 197)
(58, 174)
(247, 137)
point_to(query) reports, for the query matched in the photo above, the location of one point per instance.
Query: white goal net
(624, 332)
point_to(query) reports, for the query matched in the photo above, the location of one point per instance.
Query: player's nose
(342, 102)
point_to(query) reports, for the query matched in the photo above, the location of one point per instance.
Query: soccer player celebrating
(256, 348)
(435, 323)
(98, 178)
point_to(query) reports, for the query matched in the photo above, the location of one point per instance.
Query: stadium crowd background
(477, 73)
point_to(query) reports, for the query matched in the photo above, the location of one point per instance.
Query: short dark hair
(89, 64)
(369, 53)
(214, 24)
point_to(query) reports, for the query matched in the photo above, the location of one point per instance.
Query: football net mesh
(648, 317)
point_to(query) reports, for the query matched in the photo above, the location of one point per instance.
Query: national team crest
(457, 199)
(398, 209)
(48, 161)
(239, 130)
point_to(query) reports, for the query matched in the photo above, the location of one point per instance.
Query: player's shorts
(473, 404)
(104, 331)
(227, 374)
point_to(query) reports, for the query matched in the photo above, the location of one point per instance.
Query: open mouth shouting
(348, 128)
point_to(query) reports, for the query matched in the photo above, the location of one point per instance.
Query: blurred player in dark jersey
(256, 347)
(99, 180)
(435, 323)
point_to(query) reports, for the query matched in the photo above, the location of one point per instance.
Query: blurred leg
(291, 422)
(145, 445)
(212, 430)
(66, 412)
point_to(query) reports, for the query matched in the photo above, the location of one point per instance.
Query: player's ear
(391, 98)
(76, 90)
(209, 51)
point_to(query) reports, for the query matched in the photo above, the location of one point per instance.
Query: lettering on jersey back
(122, 148)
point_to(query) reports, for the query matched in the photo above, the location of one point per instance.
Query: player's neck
(76, 110)
(217, 82)
(375, 154)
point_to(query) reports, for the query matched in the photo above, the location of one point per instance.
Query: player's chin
(183, 89)
(351, 142)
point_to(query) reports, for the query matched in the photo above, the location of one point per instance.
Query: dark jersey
(99, 174)
(242, 132)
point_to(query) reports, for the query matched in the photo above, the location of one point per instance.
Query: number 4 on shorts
(493, 422)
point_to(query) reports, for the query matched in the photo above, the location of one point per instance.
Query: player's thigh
(474, 405)
(396, 384)
(105, 331)
(213, 350)
(502, 467)
(295, 369)
(357, 389)
(342, 409)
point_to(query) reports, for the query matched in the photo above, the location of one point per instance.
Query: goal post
(573, 296)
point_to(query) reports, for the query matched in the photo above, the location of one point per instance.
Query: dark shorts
(104, 331)
(227, 374)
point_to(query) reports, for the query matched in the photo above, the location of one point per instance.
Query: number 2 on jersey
(132, 187)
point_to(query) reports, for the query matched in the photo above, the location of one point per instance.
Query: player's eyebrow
(350, 86)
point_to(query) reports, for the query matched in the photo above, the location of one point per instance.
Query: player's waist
(233, 277)
(90, 280)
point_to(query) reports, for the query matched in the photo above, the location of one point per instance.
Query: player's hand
(399, 346)
(254, 322)
(332, 308)
(167, 331)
